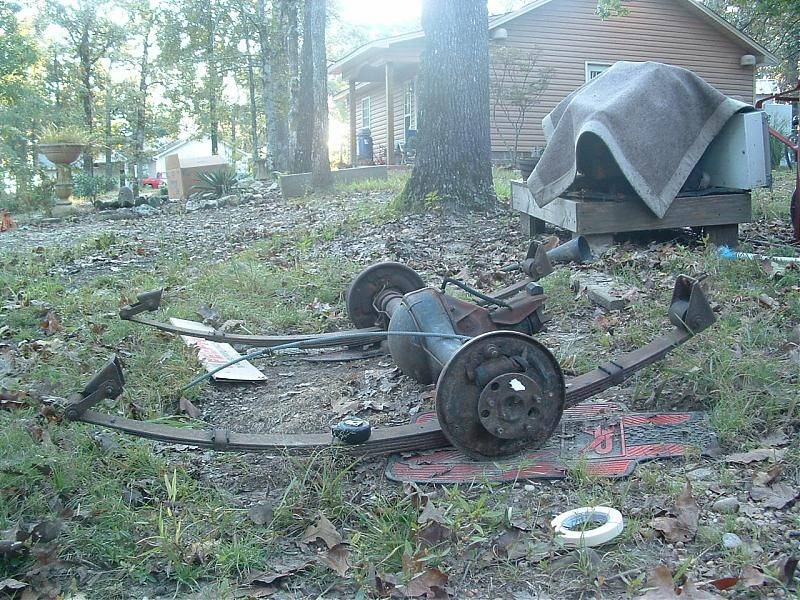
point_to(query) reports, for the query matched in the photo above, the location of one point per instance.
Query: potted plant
(62, 146)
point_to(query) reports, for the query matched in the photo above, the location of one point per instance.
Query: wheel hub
(509, 406)
(500, 394)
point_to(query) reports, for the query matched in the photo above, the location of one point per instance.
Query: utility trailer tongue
(499, 391)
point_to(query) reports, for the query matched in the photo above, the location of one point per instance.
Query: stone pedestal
(64, 187)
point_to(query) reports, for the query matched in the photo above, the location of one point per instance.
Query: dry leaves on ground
(662, 587)
(682, 527)
(759, 454)
(323, 530)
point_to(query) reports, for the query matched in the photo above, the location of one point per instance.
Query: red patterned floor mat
(609, 438)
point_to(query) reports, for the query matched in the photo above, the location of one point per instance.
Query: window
(410, 107)
(366, 113)
(595, 69)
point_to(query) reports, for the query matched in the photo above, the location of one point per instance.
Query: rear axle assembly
(498, 390)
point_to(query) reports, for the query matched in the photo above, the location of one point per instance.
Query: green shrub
(91, 186)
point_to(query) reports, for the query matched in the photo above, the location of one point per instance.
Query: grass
(147, 519)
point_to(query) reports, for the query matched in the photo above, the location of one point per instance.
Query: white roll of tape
(571, 527)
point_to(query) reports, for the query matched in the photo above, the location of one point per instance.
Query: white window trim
(593, 63)
(366, 101)
(405, 114)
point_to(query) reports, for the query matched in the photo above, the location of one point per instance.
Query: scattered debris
(214, 354)
(602, 289)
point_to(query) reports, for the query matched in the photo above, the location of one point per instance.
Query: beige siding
(568, 34)
(377, 93)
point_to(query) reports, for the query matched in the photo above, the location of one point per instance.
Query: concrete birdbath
(62, 154)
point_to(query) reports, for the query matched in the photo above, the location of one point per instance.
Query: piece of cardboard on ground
(215, 354)
(604, 290)
(183, 174)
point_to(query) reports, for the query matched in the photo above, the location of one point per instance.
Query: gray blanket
(655, 119)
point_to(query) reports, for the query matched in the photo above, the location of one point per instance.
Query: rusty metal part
(517, 409)
(346, 355)
(519, 419)
(151, 301)
(362, 295)
(105, 385)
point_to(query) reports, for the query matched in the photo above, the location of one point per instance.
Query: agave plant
(214, 184)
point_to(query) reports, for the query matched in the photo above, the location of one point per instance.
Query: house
(189, 148)
(572, 41)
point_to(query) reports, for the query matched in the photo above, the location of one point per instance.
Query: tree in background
(517, 86)
(198, 48)
(90, 35)
(453, 164)
(773, 23)
(21, 101)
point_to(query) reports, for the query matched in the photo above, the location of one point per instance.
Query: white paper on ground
(214, 354)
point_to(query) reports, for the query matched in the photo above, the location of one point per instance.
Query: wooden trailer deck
(718, 215)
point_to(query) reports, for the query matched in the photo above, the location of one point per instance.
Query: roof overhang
(364, 63)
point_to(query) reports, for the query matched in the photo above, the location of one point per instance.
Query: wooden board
(593, 217)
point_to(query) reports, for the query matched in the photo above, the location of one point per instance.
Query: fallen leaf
(752, 577)
(185, 405)
(337, 558)
(683, 526)
(261, 513)
(785, 566)
(324, 530)
(725, 583)
(433, 533)
(50, 324)
(776, 438)
(511, 544)
(768, 477)
(47, 531)
(281, 569)
(777, 496)
(756, 455)
(662, 587)
(429, 584)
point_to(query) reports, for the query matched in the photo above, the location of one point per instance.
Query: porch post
(389, 113)
(351, 103)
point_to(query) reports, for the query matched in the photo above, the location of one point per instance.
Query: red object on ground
(605, 437)
(154, 182)
(6, 222)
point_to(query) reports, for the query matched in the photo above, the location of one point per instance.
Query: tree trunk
(212, 83)
(320, 160)
(109, 166)
(87, 98)
(251, 88)
(453, 163)
(141, 111)
(304, 121)
(293, 73)
(286, 10)
(267, 84)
